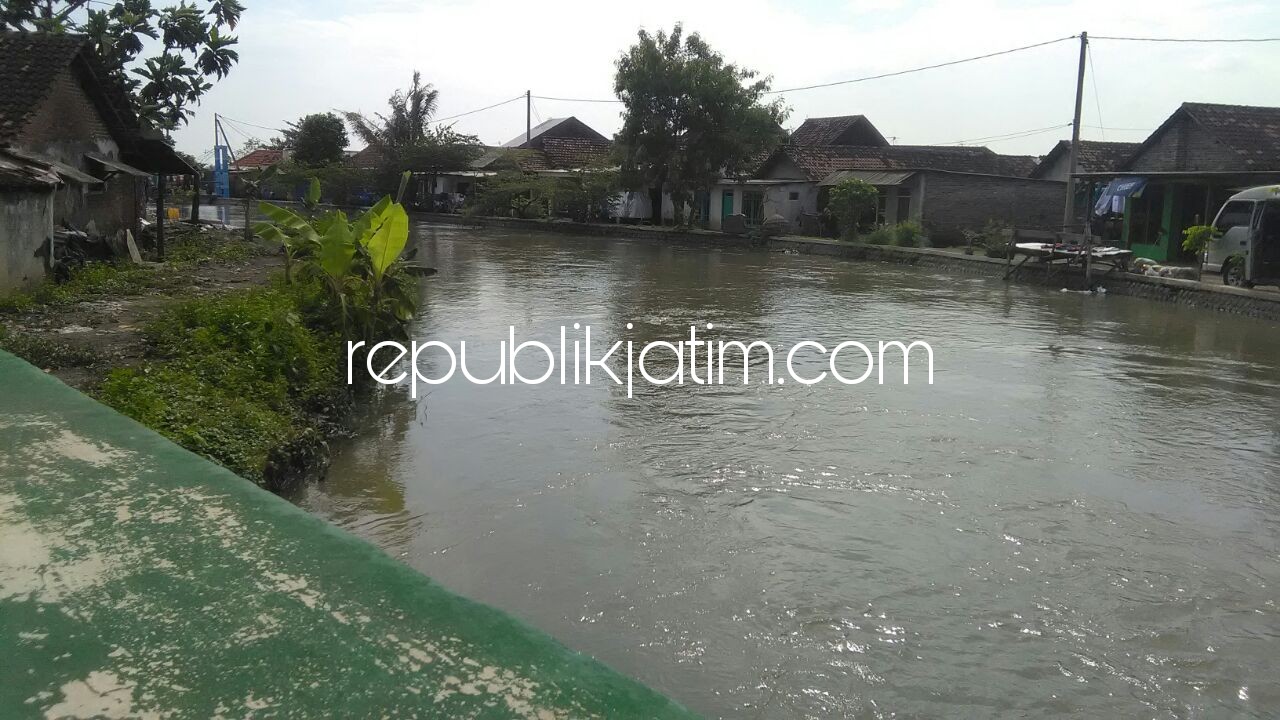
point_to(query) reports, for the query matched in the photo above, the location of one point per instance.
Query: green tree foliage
(688, 116)
(404, 138)
(317, 139)
(584, 196)
(190, 45)
(853, 204)
(362, 263)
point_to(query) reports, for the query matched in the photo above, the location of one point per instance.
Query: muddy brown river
(1079, 518)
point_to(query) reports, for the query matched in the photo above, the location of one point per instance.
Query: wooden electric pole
(1068, 214)
(528, 116)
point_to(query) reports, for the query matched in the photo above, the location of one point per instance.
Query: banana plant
(362, 263)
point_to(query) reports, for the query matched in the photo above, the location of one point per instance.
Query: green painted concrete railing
(140, 580)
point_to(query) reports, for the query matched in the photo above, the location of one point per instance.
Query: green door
(726, 204)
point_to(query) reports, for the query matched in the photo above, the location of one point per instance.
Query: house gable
(1212, 138)
(839, 130)
(66, 123)
(570, 127)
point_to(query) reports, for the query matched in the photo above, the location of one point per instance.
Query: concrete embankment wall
(1253, 303)
(140, 580)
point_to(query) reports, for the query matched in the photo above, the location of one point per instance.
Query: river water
(1079, 518)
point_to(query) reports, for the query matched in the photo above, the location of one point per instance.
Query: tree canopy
(688, 116)
(193, 45)
(317, 139)
(407, 123)
(406, 139)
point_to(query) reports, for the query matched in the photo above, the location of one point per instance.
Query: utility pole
(528, 116)
(1068, 213)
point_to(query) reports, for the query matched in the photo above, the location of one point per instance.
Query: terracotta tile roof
(819, 162)
(368, 158)
(1253, 133)
(261, 157)
(1094, 156)
(575, 153)
(29, 63)
(499, 158)
(839, 130)
(1016, 165)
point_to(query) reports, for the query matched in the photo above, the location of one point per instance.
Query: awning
(1113, 196)
(874, 177)
(116, 165)
(20, 172)
(64, 171)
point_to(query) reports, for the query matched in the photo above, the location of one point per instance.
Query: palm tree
(406, 126)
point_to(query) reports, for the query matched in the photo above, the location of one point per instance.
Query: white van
(1246, 244)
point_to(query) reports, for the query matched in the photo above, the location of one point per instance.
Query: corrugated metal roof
(874, 177)
(66, 172)
(117, 165)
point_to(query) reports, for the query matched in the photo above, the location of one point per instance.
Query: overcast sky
(305, 56)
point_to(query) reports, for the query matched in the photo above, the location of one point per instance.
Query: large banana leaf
(371, 218)
(336, 248)
(289, 220)
(386, 242)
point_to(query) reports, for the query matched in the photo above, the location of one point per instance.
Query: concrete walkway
(139, 580)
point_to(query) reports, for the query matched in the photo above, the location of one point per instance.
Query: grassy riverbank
(210, 349)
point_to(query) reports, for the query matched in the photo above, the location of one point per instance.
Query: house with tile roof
(72, 152)
(839, 130)
(966, 186)
(1186, 169)
(556, 147)
(1094, 156)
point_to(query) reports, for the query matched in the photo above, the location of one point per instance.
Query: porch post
(160, 217)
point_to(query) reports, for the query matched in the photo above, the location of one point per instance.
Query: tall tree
(193, 45)
(405, 138)
(688, 116)
(317, 139)
(407, 124)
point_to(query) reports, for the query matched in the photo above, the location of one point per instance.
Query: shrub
(879, 236)
(852, 203)
(237, 378)
(45, 352)
(908, 234)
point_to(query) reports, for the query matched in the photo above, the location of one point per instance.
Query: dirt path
(92, 336)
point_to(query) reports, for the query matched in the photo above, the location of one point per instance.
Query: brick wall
(67, 124)
(64, 127)
(956, 201)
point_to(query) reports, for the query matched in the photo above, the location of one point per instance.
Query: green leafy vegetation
(361, 264)
(1196, 238)
(584, 196)
(189, 247)
(853, 205)
(404, 138)
(45, 352)
(688, 116)
(904, 234)
(244, 379)
(190, 45)
(317, 139)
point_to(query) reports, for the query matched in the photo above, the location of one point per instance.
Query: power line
(582, 100)
(1119, 129)
(1093, 80)
(249, 124)
(922, 68)
(1186, 40)
(472, 112)
(859, 79)
(1009, 136)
